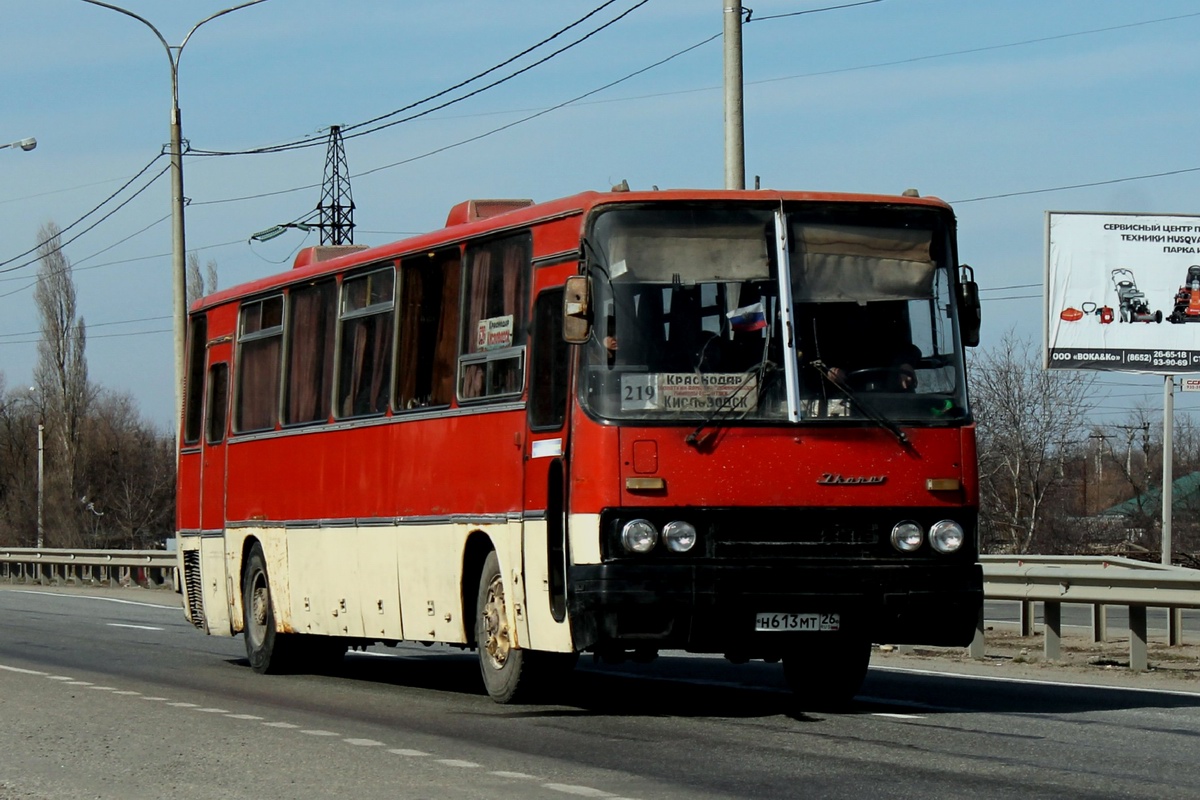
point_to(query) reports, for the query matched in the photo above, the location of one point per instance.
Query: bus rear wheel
(267, 650)
(827, 675)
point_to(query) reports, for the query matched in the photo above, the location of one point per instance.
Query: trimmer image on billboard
(1122, 292)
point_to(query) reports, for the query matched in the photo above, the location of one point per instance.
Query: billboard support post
(1168, 457)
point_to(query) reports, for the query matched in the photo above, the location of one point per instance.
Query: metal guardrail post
(1027, 618)
(978, 652)
(1099, 623)
(1137, 639)
(1052, 614)
(1174, 627)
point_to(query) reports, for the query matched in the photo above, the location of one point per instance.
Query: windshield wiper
(868, 411)
(760, 372)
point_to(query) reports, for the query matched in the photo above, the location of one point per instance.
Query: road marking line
(400, 751)
(896, 716)
(1003, 679)
(286, 725)
(137, 627)
(212, 710)
(243, 716)
(454, 762)
(363, 742)
(78, 683)
(92, 597)
(103, 688)
(515, 775)
(59, 678)
(128, 692)
(21, 671)
(319, 732)
(582, 791)
(160, 699)
(182, 705)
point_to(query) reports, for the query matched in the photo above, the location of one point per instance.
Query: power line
(313, 141)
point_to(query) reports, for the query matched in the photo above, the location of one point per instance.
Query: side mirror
(969, 313)
(577, 326)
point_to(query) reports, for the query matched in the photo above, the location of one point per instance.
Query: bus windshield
(691, 306)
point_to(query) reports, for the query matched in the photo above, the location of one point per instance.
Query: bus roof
(500, 215)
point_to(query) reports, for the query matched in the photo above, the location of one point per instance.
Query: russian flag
(748, 318)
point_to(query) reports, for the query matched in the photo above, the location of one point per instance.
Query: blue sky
(982, 103)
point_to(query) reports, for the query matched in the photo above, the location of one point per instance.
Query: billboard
(1122, 292)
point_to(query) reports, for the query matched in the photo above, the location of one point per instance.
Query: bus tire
(503, 666)
(827, 675)
(266, 649)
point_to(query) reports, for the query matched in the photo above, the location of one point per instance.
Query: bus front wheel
(501, 664)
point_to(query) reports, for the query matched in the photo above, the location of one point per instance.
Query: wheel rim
(495, 640)
(259, 608)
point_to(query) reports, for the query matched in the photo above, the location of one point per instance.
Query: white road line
(93, 597)
(363, 742)
(319, 732)
(128, 692)
(400, 751)
(21, 671)
(103, 688)
(78, 683)
(580, 791)
(244, 716)
(455, 762)
(515, 775)
(159, 699)
(286, 725)
(182, 705)
(212, 710)
(1004, 679)
(58, 677)
(136, 627)
(897, 716)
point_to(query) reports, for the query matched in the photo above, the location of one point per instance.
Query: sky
(1005, 108)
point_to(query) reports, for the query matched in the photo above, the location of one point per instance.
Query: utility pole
(336, 208)
(735, 135)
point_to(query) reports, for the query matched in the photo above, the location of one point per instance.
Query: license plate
(797, 622)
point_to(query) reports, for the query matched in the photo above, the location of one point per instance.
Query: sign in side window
(260, 345)
(492, 360)
(365, 357)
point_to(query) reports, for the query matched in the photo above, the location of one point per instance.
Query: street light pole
(178, 256)
(24, 144)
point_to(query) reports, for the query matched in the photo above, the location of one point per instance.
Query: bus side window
(308, 380)
(194, 393)
(548, 365)
(492, 359)
(365, 360)
(260, 345)
(428, 325)
(218, 402)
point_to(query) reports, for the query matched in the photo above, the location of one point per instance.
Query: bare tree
(1028, 420)
(61, 378)
(199, 285)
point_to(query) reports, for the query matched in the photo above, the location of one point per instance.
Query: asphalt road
(108, 699)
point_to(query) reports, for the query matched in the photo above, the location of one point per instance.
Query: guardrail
(151, 568)
(1096, 581)
(1089, 580)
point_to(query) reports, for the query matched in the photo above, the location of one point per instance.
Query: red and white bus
(728, 422)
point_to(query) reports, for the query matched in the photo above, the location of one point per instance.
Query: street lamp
(178, 262)
(24, 144)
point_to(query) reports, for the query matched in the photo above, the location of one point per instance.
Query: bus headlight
(946, 536)
(679, 536)
(639, 536)
(907, 536)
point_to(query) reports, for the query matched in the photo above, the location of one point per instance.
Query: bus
(732, 422)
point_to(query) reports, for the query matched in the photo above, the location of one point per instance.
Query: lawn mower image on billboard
(1187, 299)
(1131, 301)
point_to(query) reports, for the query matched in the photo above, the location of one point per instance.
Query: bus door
(545, 459)
(212, 463)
